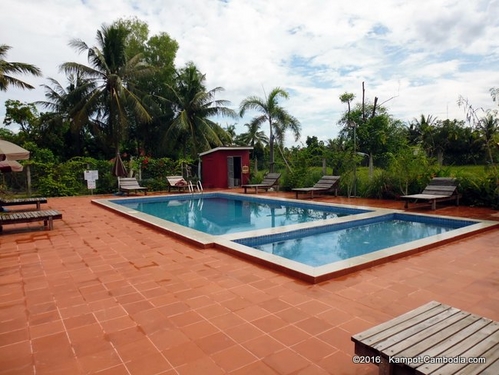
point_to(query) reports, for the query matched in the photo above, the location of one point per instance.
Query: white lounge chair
(128, 184)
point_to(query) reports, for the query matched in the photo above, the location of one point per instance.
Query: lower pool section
(332, 243)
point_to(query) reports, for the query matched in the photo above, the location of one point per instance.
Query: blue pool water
(217, 214)
(332, 243)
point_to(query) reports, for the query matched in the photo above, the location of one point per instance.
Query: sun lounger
(325, 185)
(128, 184)
(22, 202)
(269, 181)
(47, 216)
(439, 189)
(431, 339)
(177, 182)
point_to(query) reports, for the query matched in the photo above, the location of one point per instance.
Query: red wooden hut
(225, 167)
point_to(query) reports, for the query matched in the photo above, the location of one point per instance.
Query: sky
(416, 57)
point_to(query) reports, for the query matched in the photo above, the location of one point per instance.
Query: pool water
(222, 215)
(338, 242)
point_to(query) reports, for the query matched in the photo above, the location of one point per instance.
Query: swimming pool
(230, 226)
(221, 214)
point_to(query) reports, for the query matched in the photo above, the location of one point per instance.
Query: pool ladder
(198, 187)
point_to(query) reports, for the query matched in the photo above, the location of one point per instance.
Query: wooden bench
(439, 189)
(431, 339)
(22, 202)
(47, 216)
(128, 184)
(270, 181)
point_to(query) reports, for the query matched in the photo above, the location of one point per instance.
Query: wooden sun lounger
(47, 216)
(128, 184)
(177, 182)
(439, 189)
(426, 339)
(325, 185)
(269, 181)
(22, 202)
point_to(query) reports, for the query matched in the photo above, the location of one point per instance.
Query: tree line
(131, 99)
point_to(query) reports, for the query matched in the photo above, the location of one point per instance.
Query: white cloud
(421, 54)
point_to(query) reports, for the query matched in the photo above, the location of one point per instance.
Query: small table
(431, 339)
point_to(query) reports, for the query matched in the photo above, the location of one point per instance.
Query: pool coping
(304, 272)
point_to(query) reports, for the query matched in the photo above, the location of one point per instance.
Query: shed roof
(231, 148)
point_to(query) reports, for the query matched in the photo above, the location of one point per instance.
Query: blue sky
(420, 56)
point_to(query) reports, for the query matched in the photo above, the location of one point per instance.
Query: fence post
(28, 178)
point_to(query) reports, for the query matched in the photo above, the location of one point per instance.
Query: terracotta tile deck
(101, 294)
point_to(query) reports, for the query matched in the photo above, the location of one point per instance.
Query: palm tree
(193, 107)
(488, 126)
(230, 130)
(278, 118)
(7, 68)
(254, 137)
(114, 98)
(65, 104)
(424, 130)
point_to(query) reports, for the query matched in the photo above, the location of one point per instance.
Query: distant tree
(25, 115)
(377, 134)
(255, 138)
(230, 133)
(315, 150)
(6, 134)
(194, 107)
(64, 104)
(422, 133)
(8, 68)
(277, 117)
(158, 52)
(488, 128)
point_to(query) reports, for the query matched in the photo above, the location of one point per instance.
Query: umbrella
(11, 151)
(10, 166)
(119, 169)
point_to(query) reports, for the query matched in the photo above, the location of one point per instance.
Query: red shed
(225, 167)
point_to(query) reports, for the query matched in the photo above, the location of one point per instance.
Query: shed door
(230, 171)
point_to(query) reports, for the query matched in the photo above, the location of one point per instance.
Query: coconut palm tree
(488, 127)
(194, 109)
(65, 104)
(424, 130)
(278, 118)
(7, 68)
(114, 98)
(254, 137)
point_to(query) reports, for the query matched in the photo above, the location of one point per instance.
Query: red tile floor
(101, 294)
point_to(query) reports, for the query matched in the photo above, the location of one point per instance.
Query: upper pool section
(220, 214)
